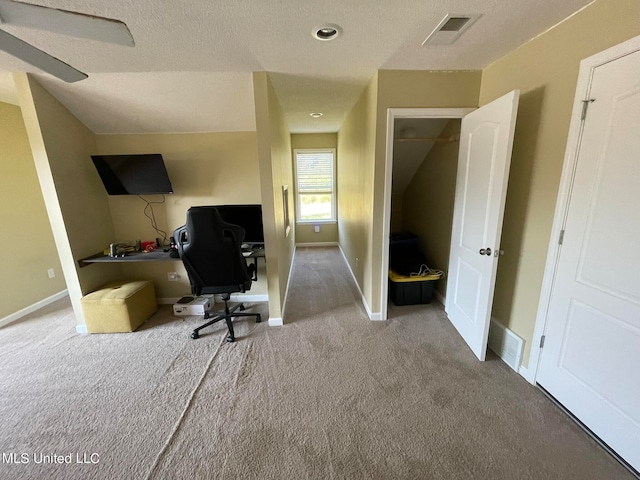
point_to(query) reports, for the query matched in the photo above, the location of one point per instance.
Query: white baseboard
(278, 321)
(527, 374)
(506, 344)
(241, 297)
(522, 370)
(81, 329)
(317, 244)
(32, 308)
(275, 322)
(376, 316)
(236, 297)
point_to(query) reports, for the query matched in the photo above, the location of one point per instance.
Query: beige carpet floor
(331, 395)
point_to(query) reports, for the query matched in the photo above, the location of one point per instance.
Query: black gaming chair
(211, 252)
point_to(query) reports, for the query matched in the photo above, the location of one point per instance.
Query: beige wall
(205, 169)
(409, 89)
(328, 231)
(356, 151)
(78, 210)
(274, 155)
(305, 234)
(545, 70)
(428, 202)
(314, 140)
(28, 241)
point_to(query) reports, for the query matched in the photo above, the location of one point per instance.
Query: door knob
(485, 251)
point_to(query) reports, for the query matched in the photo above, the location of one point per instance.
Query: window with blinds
(315, 185)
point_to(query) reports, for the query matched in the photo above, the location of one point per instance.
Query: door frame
(392, 115)
(574, 140)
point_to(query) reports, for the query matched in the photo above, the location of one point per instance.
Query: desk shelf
(153, 256)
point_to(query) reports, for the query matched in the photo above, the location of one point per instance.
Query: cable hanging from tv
(152, 218)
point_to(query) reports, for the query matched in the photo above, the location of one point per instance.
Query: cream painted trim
(32, 308)
(587, 66)
(375, 316)
(392, 114)
(275, 322)
(317, 244)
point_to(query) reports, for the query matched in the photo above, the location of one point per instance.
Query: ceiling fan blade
(38, 58)
(66, 22)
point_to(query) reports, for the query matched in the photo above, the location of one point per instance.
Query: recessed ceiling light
(326, 32)
(315, 114)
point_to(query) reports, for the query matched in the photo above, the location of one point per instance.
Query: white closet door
(486, 139)
(590, 361)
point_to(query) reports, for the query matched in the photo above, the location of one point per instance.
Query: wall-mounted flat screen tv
(133, 174)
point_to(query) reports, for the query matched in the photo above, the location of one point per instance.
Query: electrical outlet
(316, 228)
(173, 276)
(51, 272)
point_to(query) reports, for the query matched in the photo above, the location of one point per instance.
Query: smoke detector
(450, 28)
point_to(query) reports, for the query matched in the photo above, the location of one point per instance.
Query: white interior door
(591, 356)
(486, 139)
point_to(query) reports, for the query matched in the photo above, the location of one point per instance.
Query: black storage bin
(411, 290)
(404, 240)
(404, 253)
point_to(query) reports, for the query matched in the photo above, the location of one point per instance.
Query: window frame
(333, 218)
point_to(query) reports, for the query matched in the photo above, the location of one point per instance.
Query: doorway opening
(484, 157)
(422, 159)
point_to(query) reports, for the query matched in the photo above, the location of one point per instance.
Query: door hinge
(542, 340)
(585, 106)
(561, 238)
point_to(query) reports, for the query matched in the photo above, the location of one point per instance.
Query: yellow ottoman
(119, 306)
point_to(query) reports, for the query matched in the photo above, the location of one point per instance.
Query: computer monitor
(248, 217)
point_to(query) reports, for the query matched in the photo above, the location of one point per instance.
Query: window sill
(315, 222)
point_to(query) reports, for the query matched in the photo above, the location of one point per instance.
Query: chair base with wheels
(227, 315)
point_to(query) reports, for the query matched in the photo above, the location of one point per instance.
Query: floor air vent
(506, 344)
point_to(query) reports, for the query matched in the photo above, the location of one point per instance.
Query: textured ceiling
(195, 45)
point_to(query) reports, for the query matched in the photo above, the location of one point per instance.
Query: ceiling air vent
(449, 29)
